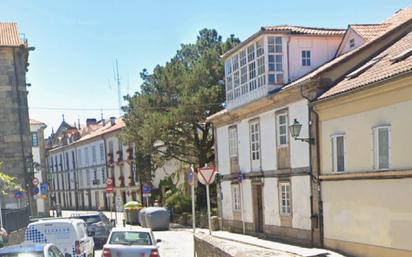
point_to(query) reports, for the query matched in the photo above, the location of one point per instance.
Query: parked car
(69, 235)
(131, 242)
(98, 224)
(32, 250)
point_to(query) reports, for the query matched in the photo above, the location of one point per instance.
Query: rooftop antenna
(119, 91)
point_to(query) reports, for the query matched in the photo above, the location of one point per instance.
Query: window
(86, 156)
(285, 199)
(79, 157)
(259, 48)
(275, 61)
(67, 162)
(34, 139)
(242, 58)
(254, 140)
(94, 154)
(236, 198)
(381, 147)
(110, 146)
(233, 142)
(235, 63)
(305, 58)
(102, 152)
(243, 80)
(251, 53)
(352, 43)
(282, 129)
(88, 177)
(103, 175)
(261, 65)
(338, 153)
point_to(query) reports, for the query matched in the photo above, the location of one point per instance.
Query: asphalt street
(175, 242)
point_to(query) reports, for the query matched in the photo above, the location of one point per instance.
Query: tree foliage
(166, 118)
(7, 183)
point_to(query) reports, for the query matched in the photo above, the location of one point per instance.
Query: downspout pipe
(313, 177)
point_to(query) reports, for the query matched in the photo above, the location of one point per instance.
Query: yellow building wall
(372, 212)
(357, 115)
(368, 217)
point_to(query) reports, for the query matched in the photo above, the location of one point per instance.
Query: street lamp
(295, 128)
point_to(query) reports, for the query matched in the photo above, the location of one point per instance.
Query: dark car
(98, 226)
(32, 250)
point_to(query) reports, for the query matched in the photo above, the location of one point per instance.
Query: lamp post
(295, 128)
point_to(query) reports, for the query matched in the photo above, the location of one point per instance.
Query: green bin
(131, 212)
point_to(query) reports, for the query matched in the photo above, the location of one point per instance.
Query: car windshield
(131, 238)
(25, 254)
(91, 219)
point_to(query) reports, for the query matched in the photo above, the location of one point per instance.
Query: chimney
(91, 122)
(113, 121)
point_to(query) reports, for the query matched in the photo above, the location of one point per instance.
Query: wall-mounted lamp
(295, 131)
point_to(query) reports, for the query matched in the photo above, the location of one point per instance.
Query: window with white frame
(88, 177)
(79, 158)
(236, 197)
(275, 62)
(103, 175)
(338, 152)
(305, 58)
(254, 140)
(382, 147)
(282, 129)
(34, 139)
(233, 142)
(243, 80)
(285, 198)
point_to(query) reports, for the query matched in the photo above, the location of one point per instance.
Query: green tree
(7, 183)
(166, 118)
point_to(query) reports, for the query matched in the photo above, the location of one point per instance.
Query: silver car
(131, 242)
(98, 226)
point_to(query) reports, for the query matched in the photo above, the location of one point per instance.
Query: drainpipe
(314, 178)
(76, 194)
(287, 52)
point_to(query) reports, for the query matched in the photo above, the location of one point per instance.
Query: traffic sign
(109, 181)
(36, 190)
(146, 189)
(206, 175)
(43, 188)
(190, 176)
(35, 181)
(19, 194)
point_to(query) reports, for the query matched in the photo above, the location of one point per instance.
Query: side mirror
(158, 240)
(91, 233)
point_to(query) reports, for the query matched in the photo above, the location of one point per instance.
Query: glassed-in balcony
(253, 71)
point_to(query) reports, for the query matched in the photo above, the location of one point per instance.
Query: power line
(116, 109)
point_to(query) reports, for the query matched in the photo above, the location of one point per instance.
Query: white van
(69, 235)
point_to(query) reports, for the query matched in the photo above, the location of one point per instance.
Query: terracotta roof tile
(370, 31)
(9, 35)
(379, 68)
(304, 30)
(400, 17)
(104, 130)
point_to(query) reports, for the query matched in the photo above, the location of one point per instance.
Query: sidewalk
(276, 246)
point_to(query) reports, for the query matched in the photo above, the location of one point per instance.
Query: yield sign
(207, 175)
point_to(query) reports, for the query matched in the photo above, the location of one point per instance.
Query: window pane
(383, 141)
(340, 154)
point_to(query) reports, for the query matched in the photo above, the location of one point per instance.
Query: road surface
(175, 242)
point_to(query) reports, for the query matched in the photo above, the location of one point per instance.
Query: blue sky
(77, 41)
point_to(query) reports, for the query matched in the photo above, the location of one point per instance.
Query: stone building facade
(15, 141)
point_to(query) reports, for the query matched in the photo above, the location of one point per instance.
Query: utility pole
(119, 91)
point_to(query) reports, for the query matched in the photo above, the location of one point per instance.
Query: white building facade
(266, 184)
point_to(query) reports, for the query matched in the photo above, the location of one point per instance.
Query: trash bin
(157, 218)
(131, 212)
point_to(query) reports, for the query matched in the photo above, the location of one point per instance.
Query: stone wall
(210, 246)
(15, 141)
